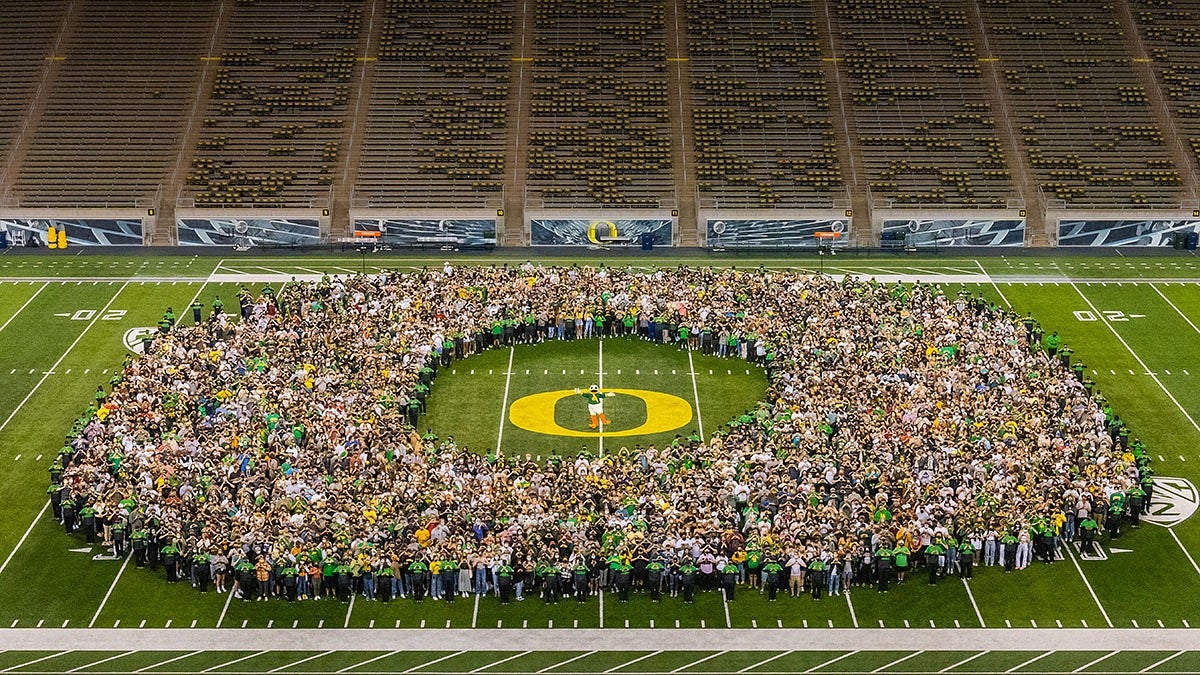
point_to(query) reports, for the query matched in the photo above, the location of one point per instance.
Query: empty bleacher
(1171, 33)
(925, 126)
(110, 128)
(28, 33)
(273, 128)
(761, 121)
(436, 130)
(1082, 112)
(600, 128)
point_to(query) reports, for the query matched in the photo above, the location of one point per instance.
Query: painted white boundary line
(971, 595)
(898, 661)
(225, 609)
(25, 536)
(22, 307)
(1036, 658)
(573, 659)
(850, 604)
(504, 406)
(1071, 555)
(963, 662)
(697, 662)
(696, 394)
(103, 660)
(373, 659)
(1093, 662)
(475, 612)
(1185, 551)
(37, 660)
(993, 283)
(764, 662)
(349, 610)
(237, 660)
(830, 662)
(111, 587)
(504, 660)
(173, 659)
(725, 604)
(306, 659)
(600, 374)
(1158, 663)
(630, 663)
(437, 660)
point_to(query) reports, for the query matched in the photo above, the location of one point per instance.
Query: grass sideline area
(1134, 321)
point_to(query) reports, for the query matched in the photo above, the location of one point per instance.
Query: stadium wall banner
(600, 232)
(80, 231)
(956, 232)
(464, 232)
(1073, 232)
(248, 231)
(801, 232)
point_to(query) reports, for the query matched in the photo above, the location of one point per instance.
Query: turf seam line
(764, 662)
(22, 307)
(111, 588)
(570, 660)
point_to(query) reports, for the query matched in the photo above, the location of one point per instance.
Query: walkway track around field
(585, 639)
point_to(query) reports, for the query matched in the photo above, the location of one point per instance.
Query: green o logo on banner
(664, 412)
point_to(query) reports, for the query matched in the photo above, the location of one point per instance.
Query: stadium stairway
(164, 234)
(1036, 232)
(1143, 65)
(679, 99)
(354, 132)
(519, 105)
(845, 131)
(37, 105)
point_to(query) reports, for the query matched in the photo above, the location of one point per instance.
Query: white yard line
(1164, 297)
(1087, 583)
(1089, 664)
(303, 660)
(1036, 658)
(173, 659)
(36, 520)
(504, 405)
(38, 660)
(1145, 368)
(349, 610)
(898, 661)
(963, 662)
(1175, 536)
(504, 660)
(630, 663)
(698, 662)
(973, 604)
(993, 283)
(570, 660)
(111, 586)
(475, 612)
(696, 395)
(764, 662)
(600, 382)
(1160, 662)
(850, 604)
(237, 660)
(725, 605)
(22, 307)
(437, 660)
(104, 660)
(822, 666)
(225, 609)
(602, 608)
(373, 659)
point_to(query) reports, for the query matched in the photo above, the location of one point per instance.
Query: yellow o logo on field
(664, 412)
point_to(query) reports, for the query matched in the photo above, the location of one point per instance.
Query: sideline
(603, 640)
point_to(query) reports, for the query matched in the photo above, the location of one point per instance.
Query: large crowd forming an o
(904, 428)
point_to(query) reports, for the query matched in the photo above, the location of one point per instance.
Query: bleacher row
(122, 120)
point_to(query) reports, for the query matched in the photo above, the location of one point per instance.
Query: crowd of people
(905, 429)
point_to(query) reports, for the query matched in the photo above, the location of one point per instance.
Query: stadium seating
(436, 133)
(273, 128)
(111, 127)
(27, 35)
(1081, 109)
(600, 129)
(761, 123)
(925, 126)
(1171, 32)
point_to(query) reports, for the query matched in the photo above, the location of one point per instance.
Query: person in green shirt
(419, 574)
(934, 558)
(816, 576)
(197, 310)
(654, 579)
(966, 557)
(900, 560)
(687, 579)
(1087, 536)
(170, 558)
(504, 582)
(773, 571)
(883, 567)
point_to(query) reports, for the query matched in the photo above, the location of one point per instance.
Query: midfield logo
(1175, 500)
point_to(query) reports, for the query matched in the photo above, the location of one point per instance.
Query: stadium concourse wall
(252, 227)
(429, 228)
(1134, 228)
(600, 227)
(730, 229)
(84, 227)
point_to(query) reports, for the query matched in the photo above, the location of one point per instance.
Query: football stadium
(585, 336)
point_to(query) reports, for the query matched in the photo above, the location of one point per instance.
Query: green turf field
(1134, 321)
